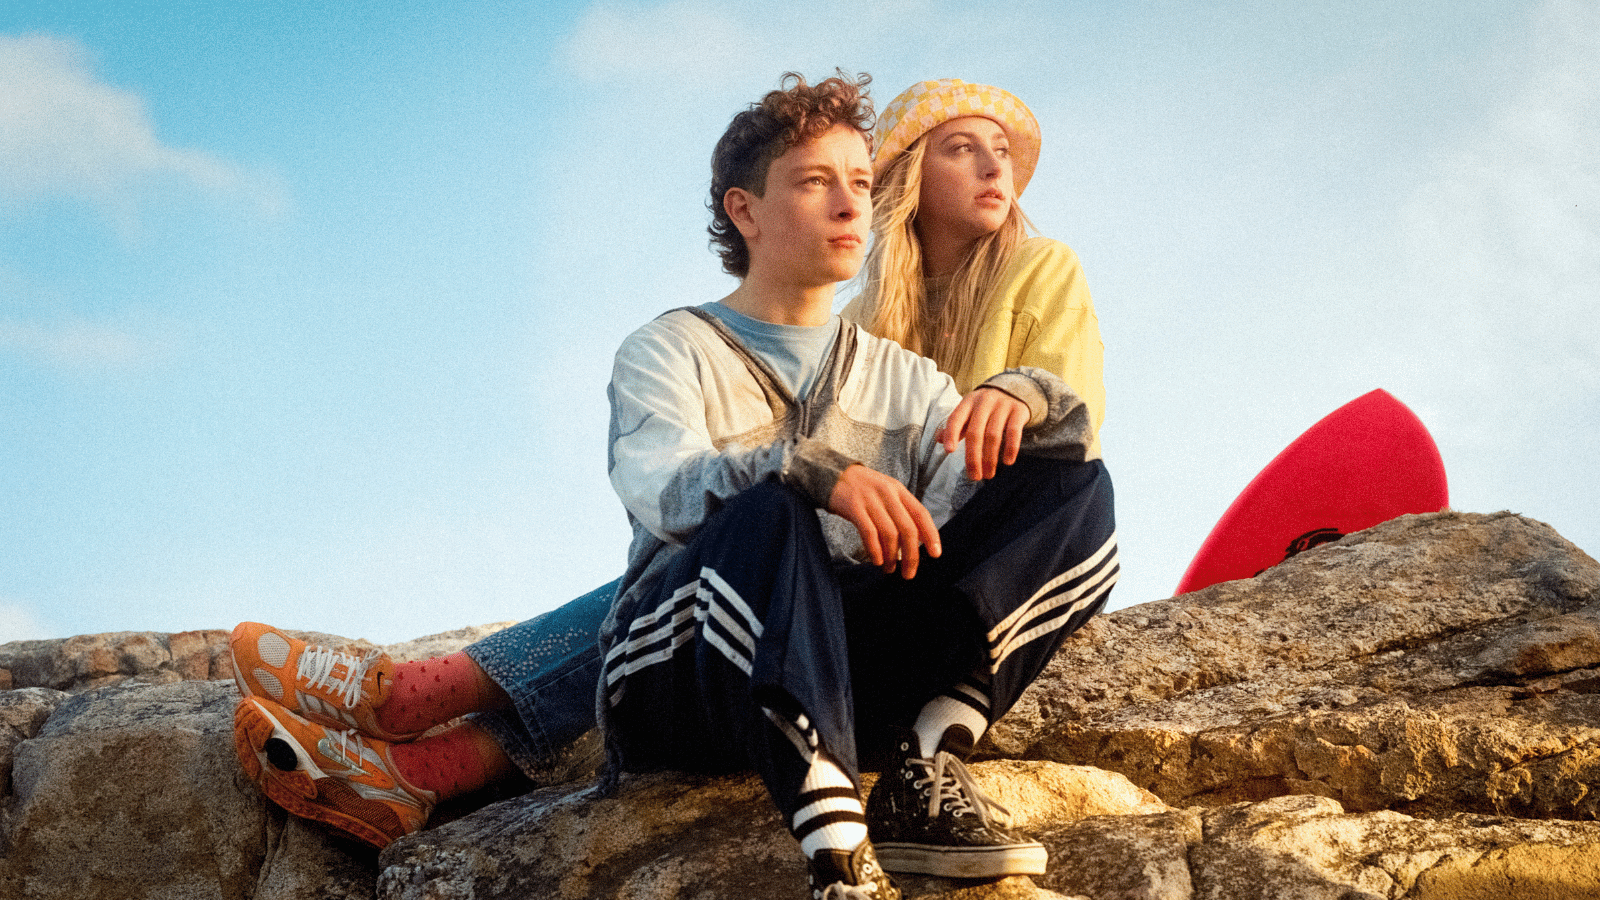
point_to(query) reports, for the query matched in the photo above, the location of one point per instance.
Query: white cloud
(629, 39)
(1505, 241)
(688, 44)
(1502, 288)
(65, 133)
(76, 345)
(19, 623)
(33, 325)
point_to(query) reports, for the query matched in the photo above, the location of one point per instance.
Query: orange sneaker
(334, 777)
(327, 686)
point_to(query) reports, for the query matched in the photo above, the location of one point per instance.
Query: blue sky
(307, 310)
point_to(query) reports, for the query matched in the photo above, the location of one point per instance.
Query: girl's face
(967, 186)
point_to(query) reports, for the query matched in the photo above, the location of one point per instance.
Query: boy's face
(810, 228)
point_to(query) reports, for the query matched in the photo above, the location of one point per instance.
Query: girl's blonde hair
(894, 299)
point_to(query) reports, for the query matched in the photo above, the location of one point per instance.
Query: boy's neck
(781, 304)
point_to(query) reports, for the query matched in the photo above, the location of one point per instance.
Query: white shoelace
(841, 891)
(352, 750)
(950, 781)
(317, 665)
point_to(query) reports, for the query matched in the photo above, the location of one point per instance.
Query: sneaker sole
(297, 792)
(962, 862)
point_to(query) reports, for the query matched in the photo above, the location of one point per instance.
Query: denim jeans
(549, 665)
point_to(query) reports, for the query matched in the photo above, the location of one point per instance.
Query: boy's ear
(736, 203)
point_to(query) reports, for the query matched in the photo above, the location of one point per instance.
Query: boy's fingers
(928, 530)
(913, 559)
(891, 535)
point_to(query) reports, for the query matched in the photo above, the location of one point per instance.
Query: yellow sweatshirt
(1039, 314)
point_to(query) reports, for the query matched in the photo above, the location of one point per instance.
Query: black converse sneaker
(837, 875)
(928, 816)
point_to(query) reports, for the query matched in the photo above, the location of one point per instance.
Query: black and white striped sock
(966, 705)
(831, 815)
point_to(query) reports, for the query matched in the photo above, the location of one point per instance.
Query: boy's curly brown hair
(796, 113)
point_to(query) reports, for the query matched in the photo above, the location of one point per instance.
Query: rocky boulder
(90, 661)
(670, 836)
(1403, 713)
(100, 660)
(132, 789)
(1436, 664)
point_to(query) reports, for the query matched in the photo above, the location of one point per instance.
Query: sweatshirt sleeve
(1056, 327)
(663, 464)
(1059, 423)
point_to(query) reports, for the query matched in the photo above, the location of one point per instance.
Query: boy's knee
(769, 497)
(765, 514)
(1071, 474)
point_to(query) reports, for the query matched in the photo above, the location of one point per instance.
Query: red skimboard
(1365, 463)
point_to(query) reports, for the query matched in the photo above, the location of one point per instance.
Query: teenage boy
(811, 553)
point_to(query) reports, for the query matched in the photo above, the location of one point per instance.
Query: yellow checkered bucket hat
(929, 104)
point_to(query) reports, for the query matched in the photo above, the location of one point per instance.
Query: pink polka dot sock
(455, 762)
(434, 691)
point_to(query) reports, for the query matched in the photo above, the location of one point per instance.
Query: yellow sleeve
(1048, 320)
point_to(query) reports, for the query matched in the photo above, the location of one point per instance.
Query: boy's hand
(991, 422)
(892, 522)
